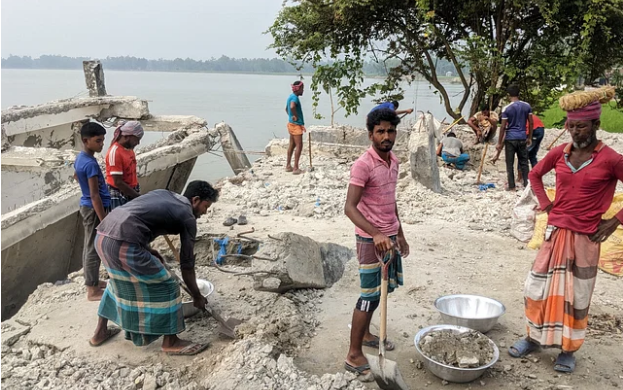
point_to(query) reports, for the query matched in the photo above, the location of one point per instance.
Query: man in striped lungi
(559, 287)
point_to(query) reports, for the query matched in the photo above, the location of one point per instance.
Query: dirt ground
(448, 256)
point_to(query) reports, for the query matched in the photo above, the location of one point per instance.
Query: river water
(252, 104)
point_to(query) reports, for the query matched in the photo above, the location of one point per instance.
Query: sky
(198, 29)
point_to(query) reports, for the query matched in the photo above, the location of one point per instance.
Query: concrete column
(94, 77)
(232, 150)
(422, 153)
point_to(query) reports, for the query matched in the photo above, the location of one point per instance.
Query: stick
(172, 247)
(482, 163)
(452, 125)
(311, 167)
(559, 135)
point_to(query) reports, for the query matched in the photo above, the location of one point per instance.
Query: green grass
(611, 118)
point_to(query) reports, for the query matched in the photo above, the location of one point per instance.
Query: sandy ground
(455, 253)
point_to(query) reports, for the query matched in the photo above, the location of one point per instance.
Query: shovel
(227, 328)
(385, 371)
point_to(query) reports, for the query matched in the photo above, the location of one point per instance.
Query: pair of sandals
(565, 362)
(242, 220)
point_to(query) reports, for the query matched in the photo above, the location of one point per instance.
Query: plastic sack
(524, 215)
(611, 256)
(541, 223)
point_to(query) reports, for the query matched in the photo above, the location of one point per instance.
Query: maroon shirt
(583, 196)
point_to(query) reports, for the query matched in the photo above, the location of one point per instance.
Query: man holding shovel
(371, 206)
(143, 297)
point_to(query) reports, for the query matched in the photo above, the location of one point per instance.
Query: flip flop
(565, 363)
(521, 348)
(230, 221)
(242, 220)
(359, 370)
(189, 350)
(289, 169)
(389, 346)
(297, 172)
(111, 332)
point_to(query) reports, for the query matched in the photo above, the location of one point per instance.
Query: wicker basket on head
(577, 100)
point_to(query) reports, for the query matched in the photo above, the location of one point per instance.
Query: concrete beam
(238, 161)
(94, 78)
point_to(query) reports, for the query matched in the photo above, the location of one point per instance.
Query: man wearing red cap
(558, 290)
(296, 127)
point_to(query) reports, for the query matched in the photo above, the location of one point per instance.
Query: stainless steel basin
(188, 308)
(450, 373)
(471, 311)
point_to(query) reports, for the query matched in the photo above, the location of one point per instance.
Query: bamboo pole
(482, 163)
(452, 125)
(559, 135)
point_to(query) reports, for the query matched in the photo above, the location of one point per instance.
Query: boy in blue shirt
(94, 203)
(296, 126)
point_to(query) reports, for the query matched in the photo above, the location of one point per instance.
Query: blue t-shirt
(86, 167)
(516, 114)
(384, 105)
(299, 110)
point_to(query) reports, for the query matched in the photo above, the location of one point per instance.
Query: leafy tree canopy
(541, 45)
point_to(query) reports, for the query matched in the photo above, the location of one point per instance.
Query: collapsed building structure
(42, 235)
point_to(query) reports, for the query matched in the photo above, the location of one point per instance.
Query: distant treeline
(222, 64)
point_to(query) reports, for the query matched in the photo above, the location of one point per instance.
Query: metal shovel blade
(226, 328)
(386, 373)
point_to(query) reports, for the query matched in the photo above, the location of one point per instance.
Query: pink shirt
(378, 201)
(583, 194)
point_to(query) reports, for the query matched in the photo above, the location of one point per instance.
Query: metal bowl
(450, 373)
(188, 308)
(471, 311)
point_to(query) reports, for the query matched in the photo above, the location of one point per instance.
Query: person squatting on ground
(559, 287)
(371, 206)
(296, 127)
(94, 204)
(121, 163)
(513, 136)
(142, 296)
(484, 123)
(450, 149)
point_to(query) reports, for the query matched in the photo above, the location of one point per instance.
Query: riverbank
(460, 243)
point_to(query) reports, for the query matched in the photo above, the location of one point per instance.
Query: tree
(539, 45)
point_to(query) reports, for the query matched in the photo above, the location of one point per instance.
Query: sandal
(359, 370)
(389, 346)
(230, 221)
(297, 172)
(242, 220)
(189, 350)
(565, 362)
(521, 348)
(111, 332)
(289, 169)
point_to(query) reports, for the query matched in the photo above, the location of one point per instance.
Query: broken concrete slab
(12, 331)
(299, 264)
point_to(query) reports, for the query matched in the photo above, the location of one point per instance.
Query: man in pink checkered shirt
(371, 206)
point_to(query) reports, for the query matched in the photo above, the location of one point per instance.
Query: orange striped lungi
(558, 290)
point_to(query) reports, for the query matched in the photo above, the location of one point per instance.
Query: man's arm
(536, 178)
(381, 241)
(124, 187)
(530, 129)
(407, 111)
(187, 261)
(96, 200)
(609, 226)
(500, 145)
(403, 246)
(293, 109)
(439, 148)
(471, 122)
